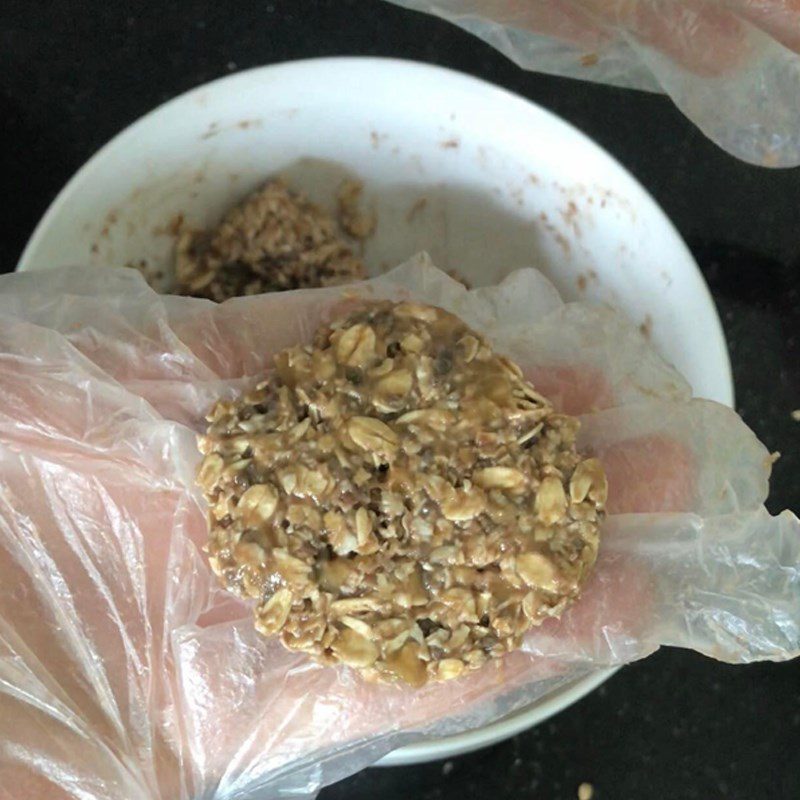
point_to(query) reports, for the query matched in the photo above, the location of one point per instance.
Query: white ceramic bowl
(482, 179)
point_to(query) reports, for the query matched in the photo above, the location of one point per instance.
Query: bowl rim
(449, 746)
(487, 735)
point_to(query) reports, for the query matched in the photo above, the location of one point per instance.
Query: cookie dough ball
(396, 497)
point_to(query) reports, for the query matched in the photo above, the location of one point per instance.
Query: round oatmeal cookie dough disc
(397, 498)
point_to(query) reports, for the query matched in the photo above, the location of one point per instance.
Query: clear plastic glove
(126, 672)
(732, 66)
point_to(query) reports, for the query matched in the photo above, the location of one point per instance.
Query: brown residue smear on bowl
(450, 144)
(153, 275)
(376, 138)
(646, 328)
(111, 219)
(569, 215)
(416, 208)
(583, 279)
(559, 237)
(212, 130)
(174, 227)
(243, 124)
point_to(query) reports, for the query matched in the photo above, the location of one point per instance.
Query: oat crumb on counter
(585, 791)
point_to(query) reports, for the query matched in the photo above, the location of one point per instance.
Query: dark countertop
(674, 726)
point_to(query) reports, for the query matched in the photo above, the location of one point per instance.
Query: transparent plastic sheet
(126, 672)
(731, 66)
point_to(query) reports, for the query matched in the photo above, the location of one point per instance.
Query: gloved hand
(126, 672)
(731, 66)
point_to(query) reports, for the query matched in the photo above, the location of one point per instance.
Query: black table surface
(75, 72)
